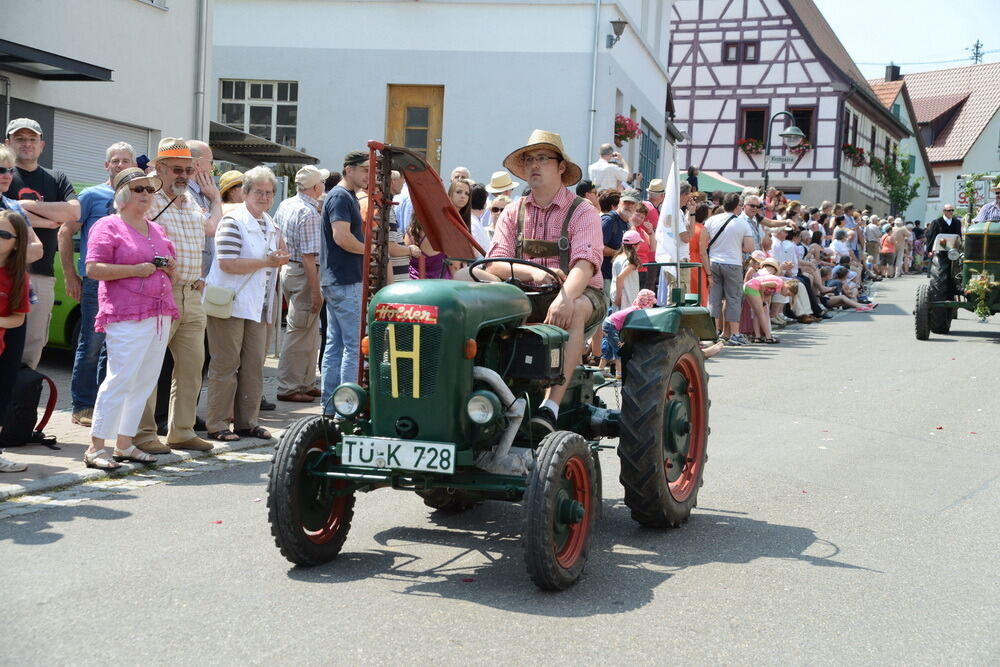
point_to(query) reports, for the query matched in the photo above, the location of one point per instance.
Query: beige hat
(172, 147)
(230, 180)
(23, 124)
(132, 174)
(308, 176)
(657, 185)
(500, 181)
(773, 263)
(543, 139)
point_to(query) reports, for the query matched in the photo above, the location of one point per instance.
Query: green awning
(710, 181)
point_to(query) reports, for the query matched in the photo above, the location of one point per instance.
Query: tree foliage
(899, 186)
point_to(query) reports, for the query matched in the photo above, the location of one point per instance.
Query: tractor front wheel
(664, 429)
(922, 313)
(310, 515)
(560, 506)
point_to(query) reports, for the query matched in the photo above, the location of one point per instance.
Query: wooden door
(413, 120)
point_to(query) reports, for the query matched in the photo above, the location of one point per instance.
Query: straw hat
(172, 147)
(772, 262)
(130, 175)
(230, 180)
(657, 185)
(500, 181)
(543, 139)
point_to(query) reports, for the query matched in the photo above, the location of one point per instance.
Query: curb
(8, 491)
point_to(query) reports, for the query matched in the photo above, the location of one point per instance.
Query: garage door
(79, 145)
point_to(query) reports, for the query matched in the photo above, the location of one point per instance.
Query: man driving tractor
(552, 227)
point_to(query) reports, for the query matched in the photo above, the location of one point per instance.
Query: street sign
(982, 193)
(781, 159)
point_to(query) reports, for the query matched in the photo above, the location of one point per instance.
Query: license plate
(402, 454)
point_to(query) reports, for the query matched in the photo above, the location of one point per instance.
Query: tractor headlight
(953, 254)
(483, 407)
(348, 399)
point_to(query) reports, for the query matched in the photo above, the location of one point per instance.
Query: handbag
(218, 301)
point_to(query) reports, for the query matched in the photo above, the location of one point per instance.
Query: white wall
(506, 67)
(909, 146)
(150, 50)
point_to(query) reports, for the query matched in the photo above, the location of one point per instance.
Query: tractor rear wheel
(560, 505)
(448, 500)
(664, 428)
(309, 515)
(922, 313)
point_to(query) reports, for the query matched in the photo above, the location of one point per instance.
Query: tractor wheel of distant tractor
(310, 515)
(922, 313)
(448, 501)
(560, 505)
(664, 428)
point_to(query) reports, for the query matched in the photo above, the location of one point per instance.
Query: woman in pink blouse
(133, 260)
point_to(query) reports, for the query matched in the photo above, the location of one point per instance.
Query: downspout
(6, 100)
(200, 63)
(593, 78)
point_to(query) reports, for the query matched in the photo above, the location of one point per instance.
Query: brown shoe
(154, 446)
(314, 392)
(296, 397)
(84, 417)
(195, 444)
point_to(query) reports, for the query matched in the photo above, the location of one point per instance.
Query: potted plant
(855, 154)
(626, 129)
(751, 146)
(803, 148)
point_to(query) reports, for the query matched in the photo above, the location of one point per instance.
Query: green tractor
(960, 278)
(442, 406)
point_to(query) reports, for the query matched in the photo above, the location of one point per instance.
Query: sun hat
(631, 237)
(544, 139)
(657, 185)
(632, 196)
(308, 176)
(230, 180)
(995, 188)
(23, 124)
(758, 255)
(172, 147)
(772, 262)
(644, 299)
(132, 174)
(500, 181)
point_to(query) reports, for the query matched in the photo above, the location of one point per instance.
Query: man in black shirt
(48, 198)
(946, 224)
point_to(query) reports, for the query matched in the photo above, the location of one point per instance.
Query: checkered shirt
(184, 223)
(299, 220)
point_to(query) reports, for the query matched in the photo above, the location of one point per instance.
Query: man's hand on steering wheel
(540, 278)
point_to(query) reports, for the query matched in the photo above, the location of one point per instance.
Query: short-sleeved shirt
(95, 203)
(43, 185)
(613, 227)
(298, 219)
(184, 223)
(605, 175)
(545, 224)
(728, 247)
(338, 266)
(6, 283)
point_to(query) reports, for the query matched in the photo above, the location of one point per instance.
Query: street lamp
(791, 136)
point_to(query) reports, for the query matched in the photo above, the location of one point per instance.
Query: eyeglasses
(7, 236)
(144, 188)
(262, 193)
(949, 210)
(179, 171)
(6, 170)
(528, 160)
(497, 209)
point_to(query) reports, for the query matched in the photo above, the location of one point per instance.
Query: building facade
(734, 65)
(104, 71)
(464, 83)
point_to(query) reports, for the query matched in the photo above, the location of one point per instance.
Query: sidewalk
(49, 469)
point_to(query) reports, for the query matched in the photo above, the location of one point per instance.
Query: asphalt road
(849, 516)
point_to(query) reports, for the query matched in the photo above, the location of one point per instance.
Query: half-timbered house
(735, 63)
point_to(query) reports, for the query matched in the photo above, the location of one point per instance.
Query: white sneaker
(6, 465)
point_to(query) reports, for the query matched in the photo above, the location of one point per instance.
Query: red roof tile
(930, 90)
(886, 91)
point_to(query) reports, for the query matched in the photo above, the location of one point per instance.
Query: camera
(160, 262)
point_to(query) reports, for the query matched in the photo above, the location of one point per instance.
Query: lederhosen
(543, 249)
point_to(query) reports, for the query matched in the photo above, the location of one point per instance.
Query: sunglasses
(6, 236)
(949, 210)
(497, 209)
(752, 205)
(6, 170)
(178, 171)
(143, 188)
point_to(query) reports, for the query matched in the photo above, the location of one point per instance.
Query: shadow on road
(37, 528)
(628, 564)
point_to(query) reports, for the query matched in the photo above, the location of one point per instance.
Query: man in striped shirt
(990, 212)
(184, 223)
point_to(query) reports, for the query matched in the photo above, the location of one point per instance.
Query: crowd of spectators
(174, 262)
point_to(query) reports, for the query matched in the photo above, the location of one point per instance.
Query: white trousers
(135, 355)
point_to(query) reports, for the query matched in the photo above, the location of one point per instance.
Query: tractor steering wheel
(527, 288)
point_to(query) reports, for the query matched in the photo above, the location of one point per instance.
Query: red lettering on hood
(405, 312)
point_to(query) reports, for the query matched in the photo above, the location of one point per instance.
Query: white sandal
(133, 454)
(6, 465)
(100, 460)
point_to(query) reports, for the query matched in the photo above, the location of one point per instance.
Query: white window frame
(273, 102)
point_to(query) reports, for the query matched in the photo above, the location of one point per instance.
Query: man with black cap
(341, 275)
(47, 196)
